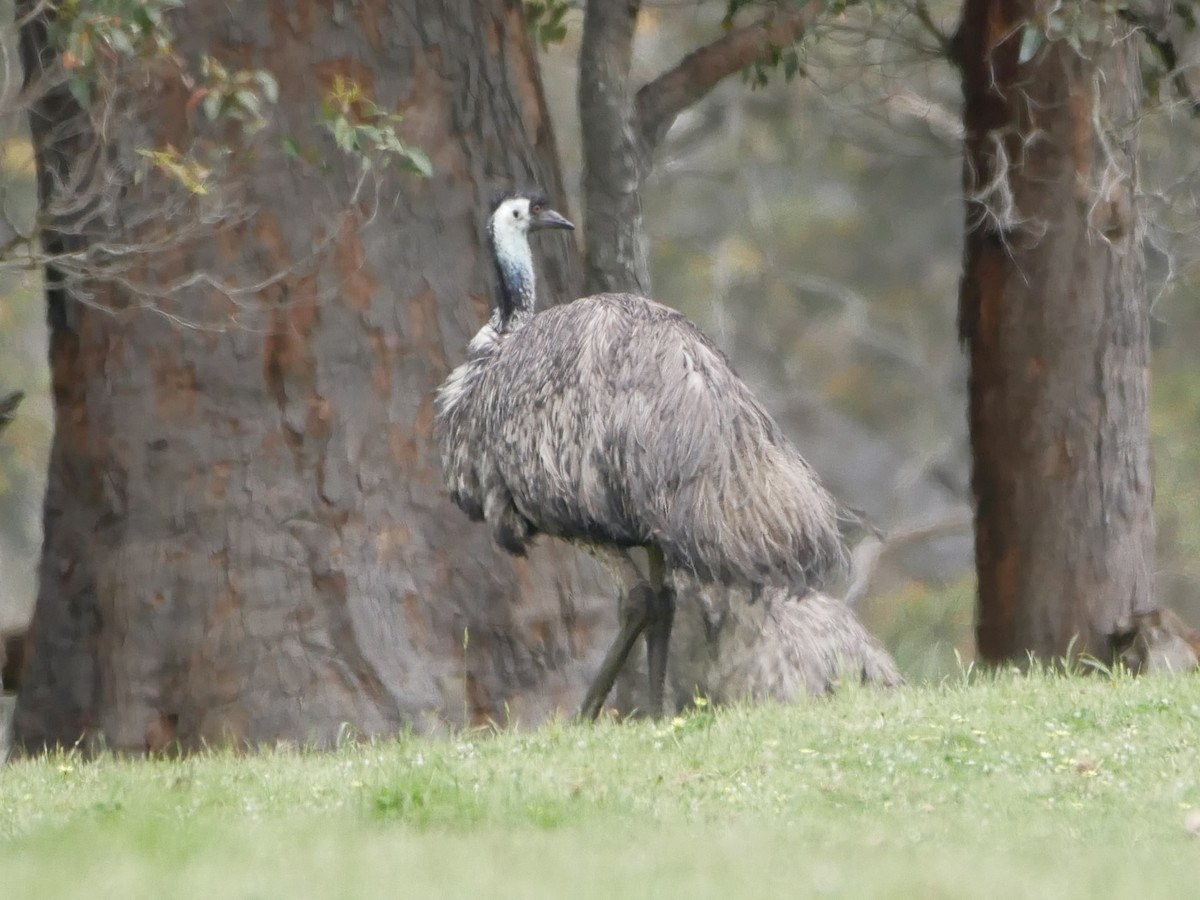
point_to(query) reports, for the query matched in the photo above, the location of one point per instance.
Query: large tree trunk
(247, 537)
(1054, 315)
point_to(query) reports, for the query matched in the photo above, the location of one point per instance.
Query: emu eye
(536, 209)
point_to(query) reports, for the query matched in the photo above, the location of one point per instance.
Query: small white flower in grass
(1192, 822)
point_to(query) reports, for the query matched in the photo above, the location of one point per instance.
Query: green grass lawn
(1016, 787)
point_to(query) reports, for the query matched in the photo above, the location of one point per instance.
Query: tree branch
(664, 98)
(867, 555)
(945, 42)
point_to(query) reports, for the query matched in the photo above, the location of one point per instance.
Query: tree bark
(247, 539)
(616, 160)
(1053, 312)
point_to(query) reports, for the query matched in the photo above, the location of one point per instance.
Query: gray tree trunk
(247, 538)
(616, 157)
(1054, 316)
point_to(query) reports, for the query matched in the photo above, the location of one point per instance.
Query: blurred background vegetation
(26, 441)
(813, 228)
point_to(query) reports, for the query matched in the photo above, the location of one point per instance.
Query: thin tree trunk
(1054, 316)
(616, 160)
(247, 538)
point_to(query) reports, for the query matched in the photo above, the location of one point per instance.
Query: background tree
(813, 230)
(246, 535)
(622, 127)
(8, 409)
(1054, 315)
(1092, 534)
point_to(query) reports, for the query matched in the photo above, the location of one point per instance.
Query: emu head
(514, 217)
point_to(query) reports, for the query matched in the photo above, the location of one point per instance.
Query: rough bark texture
(12, 659)
(615, 158)
(9, 659)
(1054, 315)
(246, 534)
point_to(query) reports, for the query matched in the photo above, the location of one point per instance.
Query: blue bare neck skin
(518, 284)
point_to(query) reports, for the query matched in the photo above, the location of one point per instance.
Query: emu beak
(548, 218)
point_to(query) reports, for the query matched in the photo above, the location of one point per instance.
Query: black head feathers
(498, 195)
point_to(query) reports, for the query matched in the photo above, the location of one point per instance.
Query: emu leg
(635, 608)
(660, 616)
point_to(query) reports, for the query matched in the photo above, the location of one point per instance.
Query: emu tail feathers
(743, 505)
(768, 521)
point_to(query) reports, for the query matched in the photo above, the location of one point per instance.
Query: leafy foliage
(98, 40)
(1079, 24)
(191, 173)
(91, 33)
(757, 75)
(97, 37)
(241, 95)
(544, 18)
(362, 128)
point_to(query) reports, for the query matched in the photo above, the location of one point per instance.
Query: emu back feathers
(613, 419)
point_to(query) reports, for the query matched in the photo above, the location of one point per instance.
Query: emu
(615, 423)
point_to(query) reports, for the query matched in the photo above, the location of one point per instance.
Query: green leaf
(343, 135)
(142, 16)
(291, 147)
(211, 104)
(1187, 14)
(119, 41)
(248, 101)
(269, 86)
(419, 161)
(1031, 42)
(80, 90)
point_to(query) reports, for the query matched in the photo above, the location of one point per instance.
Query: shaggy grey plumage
(785, 648)
(614, 422)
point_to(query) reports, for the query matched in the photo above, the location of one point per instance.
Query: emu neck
(514, 272)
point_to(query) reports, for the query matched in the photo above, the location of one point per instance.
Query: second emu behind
(613, 422)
